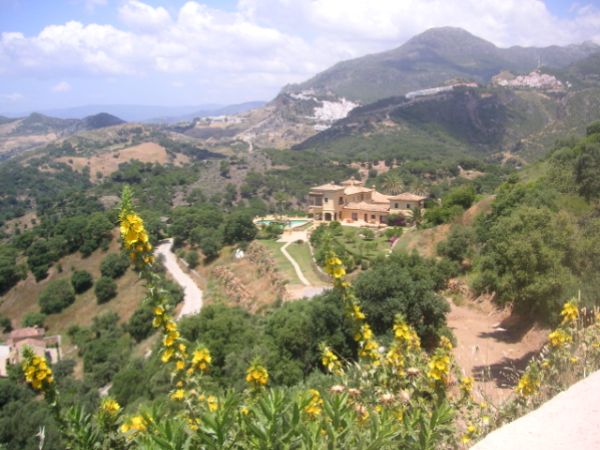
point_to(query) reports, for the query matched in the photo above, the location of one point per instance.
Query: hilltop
(430, 59)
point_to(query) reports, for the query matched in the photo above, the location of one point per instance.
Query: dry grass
(108, 162)
(22, 299)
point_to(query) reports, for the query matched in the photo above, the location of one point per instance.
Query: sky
(64, 53)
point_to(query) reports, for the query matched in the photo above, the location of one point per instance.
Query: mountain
(149, 113)
(17, 135)
(431, 59)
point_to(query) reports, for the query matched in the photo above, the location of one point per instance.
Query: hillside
(19, 135)
(431, 59)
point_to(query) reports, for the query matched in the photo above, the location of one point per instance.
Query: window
(354, 216)
(341, 201)
(373, 216)
(325, 200)
(408, 206)
(395, 205)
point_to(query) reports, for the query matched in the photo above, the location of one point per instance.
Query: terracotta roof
(22, 333)
(378, 197)
(349, 190)
(328, 187)
(367, 206)
(352, 182)
(407, 196)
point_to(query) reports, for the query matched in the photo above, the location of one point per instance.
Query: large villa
(352, 202)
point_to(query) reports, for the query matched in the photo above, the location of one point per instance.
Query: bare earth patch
(107, 163)
(491, 345)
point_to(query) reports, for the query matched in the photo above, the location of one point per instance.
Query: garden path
(192, 300)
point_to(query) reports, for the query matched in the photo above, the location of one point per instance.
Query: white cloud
(264, 44)
(91, 5)
(63, 86)
(143, 17)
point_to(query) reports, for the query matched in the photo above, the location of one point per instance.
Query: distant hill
(149, 113)
(18, 135)
(483, 121)
(431, 59)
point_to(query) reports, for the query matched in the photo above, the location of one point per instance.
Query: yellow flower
(37, 373)
(357, 312)
(110, 406)
(330, 361)
(570, 312)
(439, 367)
(180, 365)
(213, 403)
(528, 385)
(466, 384)
(201, 359)
(136, 423)
(313, 408)
(245, 410)
(257, 375)
(559, 337)
(167, 354)
(179, 394)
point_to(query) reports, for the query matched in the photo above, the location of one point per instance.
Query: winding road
(192, 300)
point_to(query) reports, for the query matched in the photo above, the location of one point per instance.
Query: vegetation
(105, 289)
(81, 281)
(114, 265)
(57, 296)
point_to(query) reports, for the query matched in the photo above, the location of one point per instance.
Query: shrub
(5, 324)
(139, 325)
(57, 296)
(192, 259)
(114, 265)
(34, 319)
(81, 281)
(105, 289)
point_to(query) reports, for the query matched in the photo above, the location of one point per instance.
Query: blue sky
(57, 54)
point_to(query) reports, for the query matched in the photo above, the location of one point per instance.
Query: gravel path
(571, 420)
(192, 300)
(301, 276)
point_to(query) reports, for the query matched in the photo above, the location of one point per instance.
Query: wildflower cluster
(133, 233)
(257, 376)
(315, 403)
(330, 360)
(37, 373)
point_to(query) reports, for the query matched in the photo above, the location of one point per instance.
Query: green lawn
(356, 244)
(282, 262)
(301, 254)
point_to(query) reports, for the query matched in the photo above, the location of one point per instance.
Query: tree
(57, 296)
(404, 284)
(105, 289)
(587, 171)
(458, 244)
(139, 325)
(191, 258)
(114, 265)
(9, 272)
(392, 183)
(5, 324)
(239, 228)
(81, 281)
(34, 319)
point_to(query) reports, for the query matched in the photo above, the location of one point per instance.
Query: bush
(192, 259)
(34, 319)
(5, 324)
(57, 296)
(114, 265)
(139, 325)
(81, 281)
(105, 289)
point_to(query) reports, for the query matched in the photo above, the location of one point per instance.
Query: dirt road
(192, 301)
(491, 346)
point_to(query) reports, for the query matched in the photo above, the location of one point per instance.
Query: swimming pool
(293, 223)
